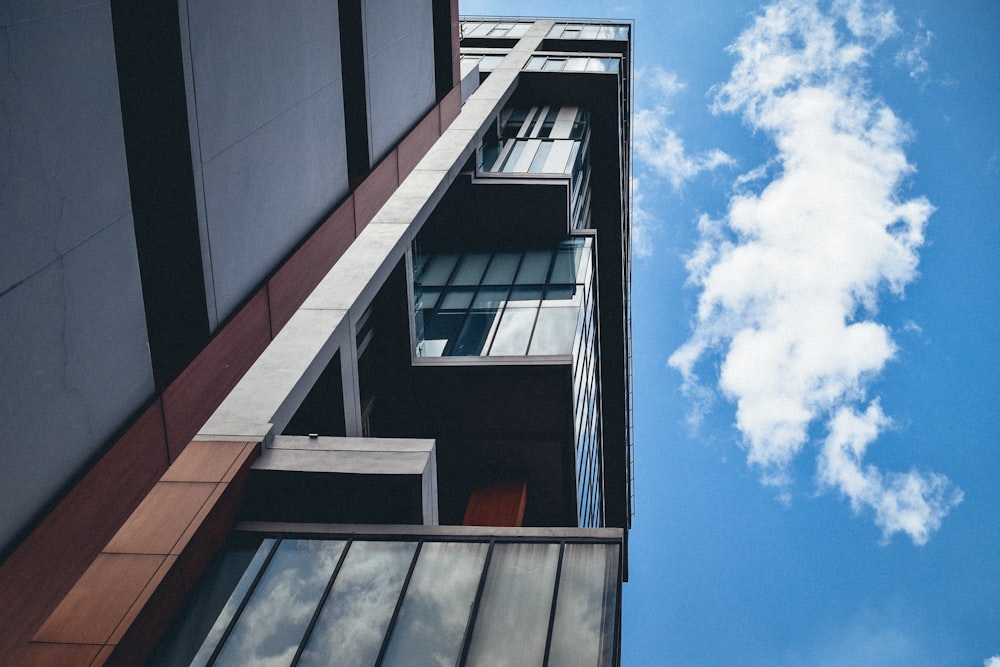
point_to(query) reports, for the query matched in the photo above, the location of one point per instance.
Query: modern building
(314, 335)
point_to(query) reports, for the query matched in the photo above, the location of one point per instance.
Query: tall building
(315, 335)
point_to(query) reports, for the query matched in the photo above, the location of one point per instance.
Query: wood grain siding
(497, 502)
(192, 398)
(297, 277)
(418, 142)
(375, 190)
(450, 107)
(40, 572)
(132, 588)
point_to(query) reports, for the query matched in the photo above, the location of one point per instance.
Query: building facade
(315, 334)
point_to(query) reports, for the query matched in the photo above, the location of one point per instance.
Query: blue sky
(816, 305)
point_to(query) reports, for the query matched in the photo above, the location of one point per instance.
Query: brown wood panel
(45, 566)
(204, 461)
(450, 107)
(55, 655)
(162, 518)
(143, 627)
(192, 398)
(456, 59)
(418, 141)
(246, 457)
(155, 583)
(497, 502)
(95, 606)
(375, 190)
(292, 283)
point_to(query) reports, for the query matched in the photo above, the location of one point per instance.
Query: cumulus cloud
(657, 146)
(992, 662)
(790, 279)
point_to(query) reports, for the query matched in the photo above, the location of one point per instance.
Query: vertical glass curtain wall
(416, 601)
(544, 140)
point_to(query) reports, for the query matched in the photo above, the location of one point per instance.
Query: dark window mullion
(320, 604)
(243, 603)
(552, 609)
(399, 604)
(467, 639)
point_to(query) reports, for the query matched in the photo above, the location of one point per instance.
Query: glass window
(274, 621)
(356, 615)
(516, 603)
(474, 337)
(457, 298)
(502, 268)
(437, 269)
(534, 267)
(554, 64)
(583, 630)
(435, 612)
(236, 556)
(519, 30)
(576, 64)
(470, 268)
(535, 62)
(513, 332)
(554, 331)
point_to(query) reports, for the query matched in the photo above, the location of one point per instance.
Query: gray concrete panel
(75, 368)
(266, 192)
(399, 69)
(253, 61)
(64, 158)
(19, 11)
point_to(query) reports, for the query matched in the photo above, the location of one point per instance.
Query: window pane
(576, 64)
(519, 30)
(513, 332)
(470, 269)
(538, 163)
(554, 331)
(437, 269)
(502, 268)
(534, 268)
(231, 557)
(554, 64)
(272, 624)
(489, 61)
(513, 618)
(535, 62)
(431, 622)
(352, 625)
(489, 298)
(439, 329)
(473, 338)
(457, 299)
(583, 631)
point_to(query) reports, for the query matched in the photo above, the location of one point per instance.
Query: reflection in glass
(513, 332)
(554, 331)
(432, 620)
(272, 624)
(583, 631)
(239, 592)
(350, 629)
(513, 618)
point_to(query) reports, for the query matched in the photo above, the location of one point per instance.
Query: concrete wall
(265, 108)
(73, 355)
(399, 69)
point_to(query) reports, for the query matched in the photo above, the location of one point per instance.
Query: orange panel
(497, 502)
(192, 398)
(48, 655)
(46, 565)
(204, 461)
(418, 141)
(161, 518)
(297, 277)
(450, 107)
(375, 191)
(92, 609)
(152, 587)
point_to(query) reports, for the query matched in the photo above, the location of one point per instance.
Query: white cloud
(790, 279)
(912, 58)
(992, 662)
(642, 223)
(656, 145)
